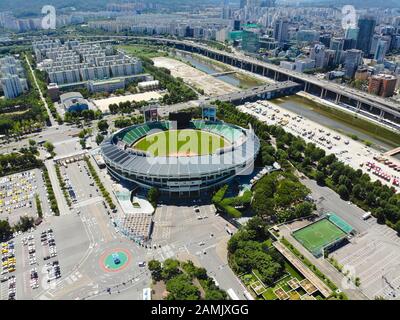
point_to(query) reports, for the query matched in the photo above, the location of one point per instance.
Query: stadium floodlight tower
(150, 112)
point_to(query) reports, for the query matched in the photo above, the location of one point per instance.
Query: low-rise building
(74, 102)
(149, 85)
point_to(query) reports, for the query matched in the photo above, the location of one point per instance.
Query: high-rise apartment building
(382, 85)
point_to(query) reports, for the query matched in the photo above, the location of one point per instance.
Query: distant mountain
(356, 3)
(34, 7)
(24, 8)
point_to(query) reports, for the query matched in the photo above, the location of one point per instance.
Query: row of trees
(63, 185)
(126, 107)
(38, 206)
(24, 224)
(86, 115)
(106, 195)
(17, 162)
(126, 122)
(184, 280)
(6, 230)
(50, 192)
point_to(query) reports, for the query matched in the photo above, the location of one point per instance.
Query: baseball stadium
(181, 158)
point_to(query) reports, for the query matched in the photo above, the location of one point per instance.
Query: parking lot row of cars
(48, 241)
(8, 260)
(29, 242)
(34, 281)
(17, 191)
(53, 271)
(8, 263)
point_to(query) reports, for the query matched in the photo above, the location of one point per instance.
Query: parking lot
(81, 185)
(193, 231)
(350, 152)
(372, 254)
(374, 257)
(17, 195)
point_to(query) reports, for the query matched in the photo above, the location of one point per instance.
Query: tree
(397, 227)
(170, 269)
(155, 269)
(102, 125)
(83, 143)
(24, 224)
(5, 230)
(153, 196)
(99, 138)
(303, 209)
(49, 146)
(343, 192)
(215, 295)
(320, 178)
(181, 288)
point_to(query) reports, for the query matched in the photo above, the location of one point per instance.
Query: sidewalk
(62, 205)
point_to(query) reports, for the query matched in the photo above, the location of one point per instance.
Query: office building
(250, 40)
(281, 30)
(304, 64)
(337, 45)
(380, 51)
(366, 30)
(353, 58)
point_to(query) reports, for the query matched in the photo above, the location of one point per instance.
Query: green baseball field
(185, 142)
(318, 235)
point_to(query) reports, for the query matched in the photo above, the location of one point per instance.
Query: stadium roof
(134, 163)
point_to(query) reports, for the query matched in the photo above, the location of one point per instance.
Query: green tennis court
(318, 235)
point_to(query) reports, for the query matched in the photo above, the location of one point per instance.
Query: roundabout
(115, 260)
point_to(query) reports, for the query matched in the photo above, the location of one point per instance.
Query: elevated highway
(382, 109)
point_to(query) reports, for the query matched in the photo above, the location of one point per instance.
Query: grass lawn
(142, 51)
(269, 294)
(319, 234)
(185, 142)
(292, 271)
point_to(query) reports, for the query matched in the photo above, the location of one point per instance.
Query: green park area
(180, 143)
(291, 286)
(142, 51)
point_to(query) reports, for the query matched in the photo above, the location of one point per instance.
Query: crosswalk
(73, 277)
(163, 253)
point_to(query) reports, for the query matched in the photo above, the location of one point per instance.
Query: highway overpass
(385, 110)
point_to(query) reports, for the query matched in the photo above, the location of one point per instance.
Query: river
(309, 109)
(300, 105)
(201, 64)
